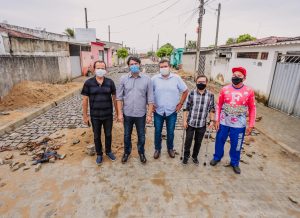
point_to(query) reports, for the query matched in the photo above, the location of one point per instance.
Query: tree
(122, 53)
(245, 38)
(230, 41)
(165, 50)
(150, 53)
(69, 32)
(191, 44)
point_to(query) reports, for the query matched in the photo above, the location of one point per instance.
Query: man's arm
(186, 109)
(150, 100)
(252, 113)
(119, 100)
(218, 109)
(85, 101)
(182, 100)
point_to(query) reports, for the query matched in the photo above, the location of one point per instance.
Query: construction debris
(38, 167)
(292, 199)
(76, 141)
(9, 156)
(90, 150)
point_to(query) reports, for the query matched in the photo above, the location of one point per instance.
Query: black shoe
(125, 158)
(143, 158)
(185, 160)
(214, 162)
(236, 169)
(156, 154)
(195, 161)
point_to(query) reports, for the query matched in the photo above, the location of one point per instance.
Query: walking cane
(183, 136)
(207, 142)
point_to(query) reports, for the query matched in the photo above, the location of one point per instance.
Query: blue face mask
(134, 69)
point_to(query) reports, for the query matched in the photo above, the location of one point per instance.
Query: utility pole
(109, 33)
(158, 42)
(86, 21)
(218, 22)
(185, 41)
(199, 30)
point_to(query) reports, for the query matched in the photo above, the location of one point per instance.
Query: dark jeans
(107, 125)
(190, 132)
(140, 124)
(158, 124)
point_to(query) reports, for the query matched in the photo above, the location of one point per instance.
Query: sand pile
(185, 75)
(29, 93)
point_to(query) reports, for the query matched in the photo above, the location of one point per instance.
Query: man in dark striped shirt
(198, 105)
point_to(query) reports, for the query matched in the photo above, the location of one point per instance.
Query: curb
(281, 144)
(36, 113)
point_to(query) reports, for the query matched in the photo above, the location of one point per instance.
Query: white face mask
(164, 71)
(100, 72)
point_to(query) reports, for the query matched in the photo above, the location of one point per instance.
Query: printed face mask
(134, 69)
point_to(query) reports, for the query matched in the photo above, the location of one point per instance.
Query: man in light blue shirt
(170, 93)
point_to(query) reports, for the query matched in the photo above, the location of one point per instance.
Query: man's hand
(185, 124)
(148, 119)
(86, 119)
(249, 130)
(120, 118)
(154, 109)
(217, 125)
(178, 107)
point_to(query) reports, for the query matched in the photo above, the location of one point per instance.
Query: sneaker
(111, 156)
(195, 161)
(236, 169)
(143, 158)
(99, 159)
(125, 158)
(214, 162)
(185, 160)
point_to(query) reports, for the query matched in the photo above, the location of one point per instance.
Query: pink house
(98, 52)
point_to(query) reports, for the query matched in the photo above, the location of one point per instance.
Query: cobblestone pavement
(67, 114)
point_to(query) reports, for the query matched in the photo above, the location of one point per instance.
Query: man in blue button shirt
(167, 88)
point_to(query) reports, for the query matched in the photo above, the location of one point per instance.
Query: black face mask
(201, 86)
(236, 80)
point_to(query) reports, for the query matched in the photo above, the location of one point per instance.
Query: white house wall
(258, 77)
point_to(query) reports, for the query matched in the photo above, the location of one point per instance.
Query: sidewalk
(279, 127)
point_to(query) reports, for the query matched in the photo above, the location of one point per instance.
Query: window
(251, 55)
(264, 55)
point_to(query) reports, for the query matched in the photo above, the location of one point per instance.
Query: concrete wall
(188, 62)
(15, 69)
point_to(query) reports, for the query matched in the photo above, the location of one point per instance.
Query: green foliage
(122, 53)
(69, 32)
(245, 38)
(241, 38)
(230, 41)
(165, 50)
(191, 44)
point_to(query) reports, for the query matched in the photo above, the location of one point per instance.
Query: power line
(132, 12)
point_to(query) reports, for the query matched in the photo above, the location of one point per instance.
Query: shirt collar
(205, 91)
(98, 82)
(130, 75)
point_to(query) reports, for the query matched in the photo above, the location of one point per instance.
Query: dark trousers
(107, 125)
(190, 132)
(170, 124)
(140, 124)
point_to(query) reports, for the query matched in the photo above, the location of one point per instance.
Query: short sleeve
(85, 90)
(181, 85)
(113, 88)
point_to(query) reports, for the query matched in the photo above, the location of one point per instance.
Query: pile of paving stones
(151, 68)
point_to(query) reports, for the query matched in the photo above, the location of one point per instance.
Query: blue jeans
(236, 136)
(140, 124)
(158, 124)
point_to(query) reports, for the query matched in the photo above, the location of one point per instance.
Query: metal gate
(285, 90)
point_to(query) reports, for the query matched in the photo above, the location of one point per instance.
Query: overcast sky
(260, 18)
